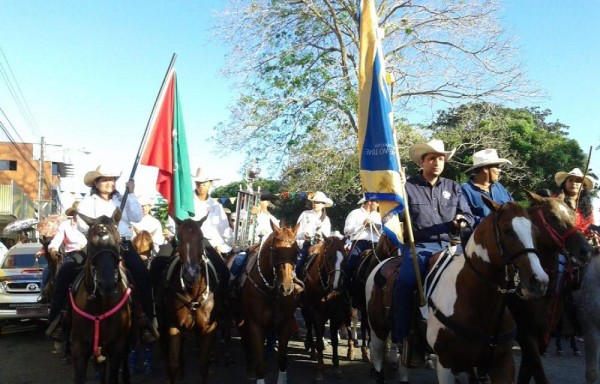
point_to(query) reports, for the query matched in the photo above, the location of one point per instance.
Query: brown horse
(468, 325)
(101, 318)
(186, 301)
(143, 244)
(369, 259)
(558, 234)
(325, 299)
(267, 299)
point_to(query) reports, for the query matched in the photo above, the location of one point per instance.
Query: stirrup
(55, 330)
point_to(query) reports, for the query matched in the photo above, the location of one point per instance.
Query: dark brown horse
(186, 301)
(468, 324)
(558, 234)
(368, 260)
(101, 318)
(268, 301)
(325, 298)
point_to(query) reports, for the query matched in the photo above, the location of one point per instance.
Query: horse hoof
(313, 355)
(351, 354)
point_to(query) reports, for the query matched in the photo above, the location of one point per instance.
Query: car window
(23, 261)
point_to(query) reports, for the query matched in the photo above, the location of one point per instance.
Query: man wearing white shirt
(150, 224)
(362, 227)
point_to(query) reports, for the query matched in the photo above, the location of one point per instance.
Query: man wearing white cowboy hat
(436, 206)
(150, 224)
(362, 226)
(314, 224)
(484, 180)
(216, 228)
(102, 201)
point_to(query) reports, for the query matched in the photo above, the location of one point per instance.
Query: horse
(268, 302)
(534, 318)
(325, 299)
(186, 299)
(587, 299)
(144, 247)
(369, 259)
(468, 325)
(101, 319)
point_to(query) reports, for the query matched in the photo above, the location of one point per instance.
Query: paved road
(26, 358)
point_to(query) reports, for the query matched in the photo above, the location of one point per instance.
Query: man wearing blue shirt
(484, 180)
(436, 205)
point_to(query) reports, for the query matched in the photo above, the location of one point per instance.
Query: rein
(270, 286)
(558, 239)
(98, 318)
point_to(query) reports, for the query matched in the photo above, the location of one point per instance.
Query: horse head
(283, 252)
(556, 222)
(190, 248)
(386, 247)
(102, 264)
(506, 239)
(331, 268)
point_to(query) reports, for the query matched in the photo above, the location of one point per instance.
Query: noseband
(290, 259)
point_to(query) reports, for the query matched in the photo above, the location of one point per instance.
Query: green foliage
(161, 211)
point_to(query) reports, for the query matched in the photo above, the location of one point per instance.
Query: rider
(69, 238)
(103, 200)
(314, 225)
(436, 206)
(362, 226)
(215, 229)
(484, 181)
(150, 224)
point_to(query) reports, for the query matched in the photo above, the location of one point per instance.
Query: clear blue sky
(90, 71)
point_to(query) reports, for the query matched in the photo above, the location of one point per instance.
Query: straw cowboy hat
(100, 171)
(320, 197)
(487, 157)
(202, 177)
(560, 178)
(417, 151)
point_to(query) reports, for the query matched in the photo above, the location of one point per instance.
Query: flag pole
(587, 168)
(139, 153)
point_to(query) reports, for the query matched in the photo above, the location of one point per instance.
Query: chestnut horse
(101, 320)
(558, 234)
(468, 324)
(144, 245)
(186, 301)
(268, 302)
(325, 298)
(369, 259)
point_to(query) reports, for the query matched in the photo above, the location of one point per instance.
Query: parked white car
(21, 283)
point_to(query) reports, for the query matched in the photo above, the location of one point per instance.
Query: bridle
(558, 239)
(289, 257)
(323, 270)
(93, 273)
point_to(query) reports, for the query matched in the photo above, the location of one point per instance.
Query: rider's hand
(459, 221)
(367, 222)
(54, 254)
(130, 185)
(307, 236)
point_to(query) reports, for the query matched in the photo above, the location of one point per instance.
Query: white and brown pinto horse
(468, 325)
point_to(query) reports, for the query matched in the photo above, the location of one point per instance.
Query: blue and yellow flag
(378, 152)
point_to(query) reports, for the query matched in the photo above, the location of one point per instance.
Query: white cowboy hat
(320, 197)
(487, 157)
(145, 200)
(364, 200)
(202, 177)
(560, 178)
(417, 151)
(100, 171)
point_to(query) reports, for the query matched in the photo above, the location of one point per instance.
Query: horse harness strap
(480, 276)
(508, 258)
(490, 340)
(98, 318)
(557, 237)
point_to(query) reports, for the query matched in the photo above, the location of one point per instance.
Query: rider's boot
(150, 332)
(147, 363)
(55, 329)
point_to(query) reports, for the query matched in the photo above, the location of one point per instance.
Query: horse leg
(206, 344)
(378, 348)
(503, 369)
(319, 325)
(80, 356)
(444, 375)
(574, 348)
(365, 333)
(174, 344)
(592, 357)
(257, 347)
(283, 340)
(531, 362)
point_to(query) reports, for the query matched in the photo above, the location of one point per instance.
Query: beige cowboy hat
(560, 178)
(487, 157)
(417, 151)
(320, 197)
(100, 171)
(202, 177)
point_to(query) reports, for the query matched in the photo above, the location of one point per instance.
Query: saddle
(385, 278)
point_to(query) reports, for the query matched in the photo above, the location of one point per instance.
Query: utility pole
(41, 180)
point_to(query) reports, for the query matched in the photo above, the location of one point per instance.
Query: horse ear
(177, 221)
(116, 216)
(202, 220)
(274, 226)
(88, 220)
(534, 198)
(295, 229)
(491, 204)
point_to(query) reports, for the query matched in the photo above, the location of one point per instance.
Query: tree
(537, 148)
(296, 64)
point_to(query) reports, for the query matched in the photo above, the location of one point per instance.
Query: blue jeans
(406, 284)
(238, 264)
(358, 247)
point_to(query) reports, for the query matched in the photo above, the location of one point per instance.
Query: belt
(125, 238)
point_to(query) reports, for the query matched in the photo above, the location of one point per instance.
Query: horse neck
(264, 265)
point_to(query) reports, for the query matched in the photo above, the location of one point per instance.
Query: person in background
(70, 240)
(437, 207)
(363, 228)
(575, 192)
(150, 224)
(484, 181)
(102, 201)
(264, 218)
(314, 225)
